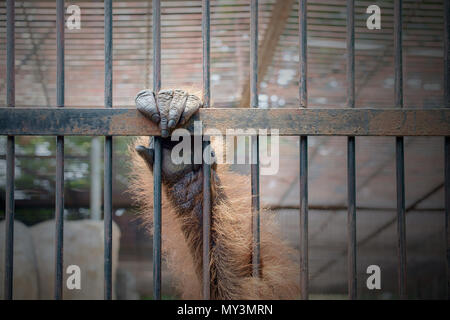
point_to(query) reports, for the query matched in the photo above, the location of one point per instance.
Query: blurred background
(423, 28)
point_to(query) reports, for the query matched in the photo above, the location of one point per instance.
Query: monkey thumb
(147, 154)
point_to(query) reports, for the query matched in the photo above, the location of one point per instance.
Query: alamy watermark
(224, 153)
(374, 280)
(74, 20)
(374, 20)
(74, 279)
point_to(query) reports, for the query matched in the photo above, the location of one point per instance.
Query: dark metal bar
(447, 139)
(304, 269)
(157, 165)
(303, 23)
(447, 209)
(254, 140)
(401, 215)
(206, 145)
(156, 17)
(107, 218)
(351, 168)
(289, 121)
(59, 192)
(206, 223)
(351, 219)
(350, 53)
(10, 152)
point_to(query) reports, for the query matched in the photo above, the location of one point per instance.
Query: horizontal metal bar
(289, 122)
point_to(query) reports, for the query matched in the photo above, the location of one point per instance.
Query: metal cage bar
(157, 165)
(10, 151)
(304, 269)
(399, 147)
(206, 208)
(351, 146)
(59, 192)
(108, 154)
(447, 138)
(289, 121)
(254, 166)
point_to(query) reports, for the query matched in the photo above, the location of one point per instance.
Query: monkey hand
(168, 109)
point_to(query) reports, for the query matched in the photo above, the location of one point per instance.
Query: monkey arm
(183, 185)
(231, 241)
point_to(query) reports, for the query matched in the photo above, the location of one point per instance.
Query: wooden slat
(289, 122)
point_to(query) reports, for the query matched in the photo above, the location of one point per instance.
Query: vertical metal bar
(108, 156)
(304, 273)
(59, 194)
(447, 209)
(10, 151)
(254, 139)
(351, 219)
(156, 17)
(447, 139)
(401, 221)
(351, 145)
(157, 165)
(206, 163)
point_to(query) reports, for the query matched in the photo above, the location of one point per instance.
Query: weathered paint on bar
(289, 122)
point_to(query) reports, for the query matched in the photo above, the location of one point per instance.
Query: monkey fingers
(146, 103)
(177, 107)
(193, 103)
(164, 99)
(167, 108)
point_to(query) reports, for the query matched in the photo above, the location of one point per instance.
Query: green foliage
(35, 167)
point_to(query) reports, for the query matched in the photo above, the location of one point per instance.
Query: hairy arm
(183, 184)
(231, 219)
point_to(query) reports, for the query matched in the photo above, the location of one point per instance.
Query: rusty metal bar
(289, 121)
(304, 270)
(59, 190)
(108, 154)
(10, 152)
(351, 148)
(157, 165)
(254, 166)
(399, 147)
(206, 145)
(447, 139)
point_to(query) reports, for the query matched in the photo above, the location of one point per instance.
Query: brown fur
(231, 247)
